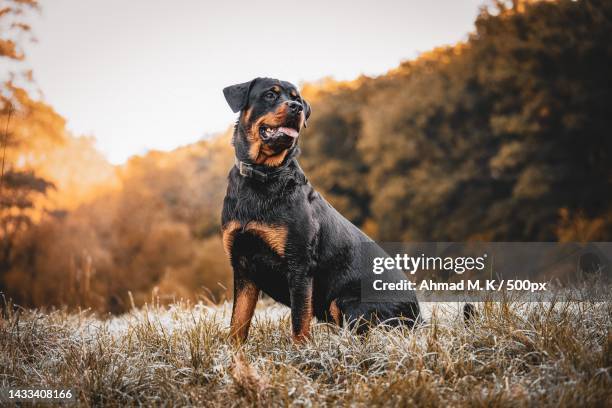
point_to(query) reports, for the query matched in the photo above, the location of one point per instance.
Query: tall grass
(510, 355)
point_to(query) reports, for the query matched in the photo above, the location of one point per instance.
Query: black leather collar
(249, 171)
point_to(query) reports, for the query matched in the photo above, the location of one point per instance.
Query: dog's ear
(237, 95)
(307, 111)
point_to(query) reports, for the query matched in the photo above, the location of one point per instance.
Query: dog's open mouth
(268, 132)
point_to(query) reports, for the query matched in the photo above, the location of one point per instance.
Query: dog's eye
(270, 96)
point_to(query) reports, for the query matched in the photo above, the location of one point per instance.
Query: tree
(504, 137)
(24, 124)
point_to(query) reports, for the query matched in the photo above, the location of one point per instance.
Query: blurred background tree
(18, 186)
(503, 137)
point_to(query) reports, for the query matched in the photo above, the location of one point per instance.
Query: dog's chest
(259, 213)
(274, 236)
(257, 251)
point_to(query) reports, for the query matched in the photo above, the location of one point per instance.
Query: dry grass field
(544, 355)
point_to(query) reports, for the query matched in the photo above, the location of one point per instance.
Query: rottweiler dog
(281, 236)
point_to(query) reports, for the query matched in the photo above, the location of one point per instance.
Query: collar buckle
(246, 170)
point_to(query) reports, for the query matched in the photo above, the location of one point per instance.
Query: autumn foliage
(504, 137)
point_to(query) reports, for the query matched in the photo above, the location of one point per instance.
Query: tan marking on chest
(229, 232)
(275, 236)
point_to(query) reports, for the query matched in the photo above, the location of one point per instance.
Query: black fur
(236, 95)
(321, 249)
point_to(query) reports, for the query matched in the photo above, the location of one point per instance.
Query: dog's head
(272, 114)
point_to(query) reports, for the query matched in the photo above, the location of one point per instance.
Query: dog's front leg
(300, 290)
(245, 299)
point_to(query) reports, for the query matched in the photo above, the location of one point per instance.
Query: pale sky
(148, 74)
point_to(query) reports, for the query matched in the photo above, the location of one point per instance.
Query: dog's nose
(295, 107)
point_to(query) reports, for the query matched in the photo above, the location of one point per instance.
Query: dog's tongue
(288, 131)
